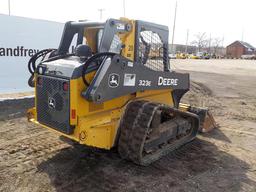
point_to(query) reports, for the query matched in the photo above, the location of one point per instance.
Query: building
(239, 48)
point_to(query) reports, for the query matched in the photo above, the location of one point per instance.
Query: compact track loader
(110, 85)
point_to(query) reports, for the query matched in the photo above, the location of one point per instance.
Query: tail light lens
(65, 86)
(73, 113)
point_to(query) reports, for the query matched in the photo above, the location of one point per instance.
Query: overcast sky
(231, 19)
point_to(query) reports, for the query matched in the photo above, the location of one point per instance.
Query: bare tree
(216, 44)
(200, 41)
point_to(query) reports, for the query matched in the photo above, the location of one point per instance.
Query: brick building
(239, 48)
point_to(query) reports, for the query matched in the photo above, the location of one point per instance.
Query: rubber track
(134, 127)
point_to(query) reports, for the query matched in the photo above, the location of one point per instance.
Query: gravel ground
(34, 159)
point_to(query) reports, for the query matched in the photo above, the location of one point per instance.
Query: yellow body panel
(128, 40)
(97, 124)
(90, 36)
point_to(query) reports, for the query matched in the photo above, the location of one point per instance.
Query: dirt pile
(13, 108)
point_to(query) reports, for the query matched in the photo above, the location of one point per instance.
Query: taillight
(73, 113)
(39, 81)
(65, 86)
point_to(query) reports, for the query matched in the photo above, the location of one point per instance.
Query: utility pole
(9, 7)
(101, 10)
(210, 41)
(173, 29)
(124, 7)
(186, 51)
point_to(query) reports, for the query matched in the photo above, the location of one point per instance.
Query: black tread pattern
(135, 125)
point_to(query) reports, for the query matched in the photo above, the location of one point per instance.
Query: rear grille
(52, 103)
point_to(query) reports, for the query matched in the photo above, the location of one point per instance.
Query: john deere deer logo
(113, 80)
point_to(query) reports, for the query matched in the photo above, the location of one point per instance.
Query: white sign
(21, 38)
(129, 79)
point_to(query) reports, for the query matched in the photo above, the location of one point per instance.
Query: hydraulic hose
(34, 58)
(32, 64)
